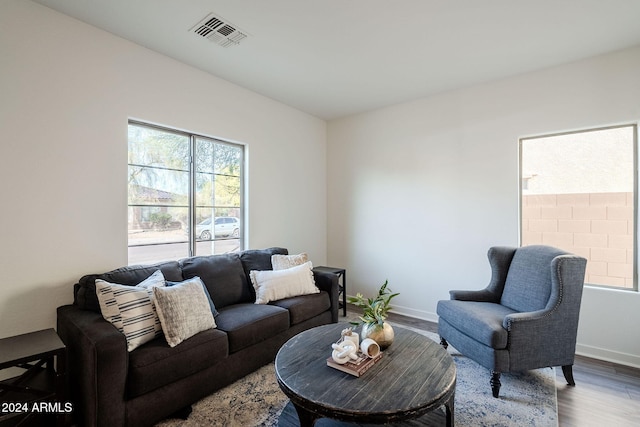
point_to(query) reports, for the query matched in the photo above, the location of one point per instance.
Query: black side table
(342, 284)
(41, 390)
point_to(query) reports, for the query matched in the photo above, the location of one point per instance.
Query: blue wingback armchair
(526, 318)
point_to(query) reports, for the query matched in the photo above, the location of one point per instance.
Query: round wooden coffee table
(414, 377)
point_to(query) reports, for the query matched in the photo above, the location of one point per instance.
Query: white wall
(66, 92)
(418, 192)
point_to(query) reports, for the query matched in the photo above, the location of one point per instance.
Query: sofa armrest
(329, 282)
(97, 360)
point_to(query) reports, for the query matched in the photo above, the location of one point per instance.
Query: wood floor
(605, 395)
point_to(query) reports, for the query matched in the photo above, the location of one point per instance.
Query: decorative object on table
(349, 335)
(343, 352)
(347, 357)
(346, 347)
(355, 367)
(370, 348)
(374, 314)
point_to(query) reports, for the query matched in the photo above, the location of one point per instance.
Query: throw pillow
(183, 310)
(279, 284)
(282, 262)
(108, 305)
(206, 292)
(131, 309)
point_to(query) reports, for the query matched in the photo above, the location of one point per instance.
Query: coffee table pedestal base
(308, 419)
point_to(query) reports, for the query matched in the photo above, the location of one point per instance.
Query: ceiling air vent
(219, 31)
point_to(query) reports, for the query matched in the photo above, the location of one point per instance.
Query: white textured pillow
(183, 310)
(131, 309)
(279, 284)
(282, 262)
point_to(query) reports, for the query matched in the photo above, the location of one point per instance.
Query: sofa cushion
(280, 284)
(259, 259)
(481, 321)
(304, 307)
(223, 276)
(183, 310)
(248, 324)
(155, 364)
(85, 290)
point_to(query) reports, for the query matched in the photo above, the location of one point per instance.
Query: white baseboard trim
(608, 355)
(417, 314)
(411, 312)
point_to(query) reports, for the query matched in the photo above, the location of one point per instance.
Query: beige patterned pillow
(183, 310)
(279, 284)
(282, 262)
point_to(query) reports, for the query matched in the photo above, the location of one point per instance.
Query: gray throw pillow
(183, 310)
(206, 292)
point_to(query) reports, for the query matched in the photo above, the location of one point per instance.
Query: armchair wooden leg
(444, 343)
(495, 383)
(567, 370)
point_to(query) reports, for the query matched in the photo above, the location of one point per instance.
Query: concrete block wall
(597, 226)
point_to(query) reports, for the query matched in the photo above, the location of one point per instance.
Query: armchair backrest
(528, 284)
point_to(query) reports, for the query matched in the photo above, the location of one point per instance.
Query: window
(184, 195)
(579, 193)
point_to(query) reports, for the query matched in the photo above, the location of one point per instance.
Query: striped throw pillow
(131, 309)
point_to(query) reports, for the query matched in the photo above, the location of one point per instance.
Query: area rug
(527, 399)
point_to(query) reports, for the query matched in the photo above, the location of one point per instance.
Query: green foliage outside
(160, 220)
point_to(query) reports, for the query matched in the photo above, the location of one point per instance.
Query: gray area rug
(527, 399)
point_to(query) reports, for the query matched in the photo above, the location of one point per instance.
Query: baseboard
(417, 314)
(411, 312)
(608, 355)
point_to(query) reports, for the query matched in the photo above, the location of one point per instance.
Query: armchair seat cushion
(155, 364)
(481, 321)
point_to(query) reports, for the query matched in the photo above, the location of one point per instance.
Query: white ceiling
(333, 58)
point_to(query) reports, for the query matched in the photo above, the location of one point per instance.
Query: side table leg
(449, 407)
(344, 293)
(307, 419)
(61, 386)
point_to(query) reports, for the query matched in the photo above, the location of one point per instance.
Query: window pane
(220, 223)
(215, 247)
(157, 253)
(158, 148)
(578, 194)
(217, 190)
(157, 234)
(154, 186)
(160, 196)
(218, 158)
(218, 197)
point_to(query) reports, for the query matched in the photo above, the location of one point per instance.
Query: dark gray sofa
(113, 387)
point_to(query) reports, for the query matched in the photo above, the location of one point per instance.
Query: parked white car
(224, 226)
